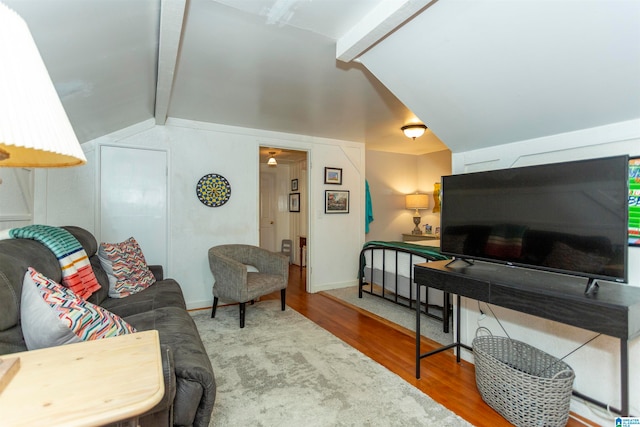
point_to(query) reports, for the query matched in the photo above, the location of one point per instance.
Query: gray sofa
(190, 387)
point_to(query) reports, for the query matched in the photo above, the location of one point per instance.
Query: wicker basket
(525, 385)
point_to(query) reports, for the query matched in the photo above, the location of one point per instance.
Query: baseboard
(197, 305)
(331, 286)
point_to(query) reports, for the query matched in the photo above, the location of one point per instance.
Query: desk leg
(446, 312)
(457, 337)
(418, 331)
(456, 344)
(624, 377)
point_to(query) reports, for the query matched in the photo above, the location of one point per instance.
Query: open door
(268, 211)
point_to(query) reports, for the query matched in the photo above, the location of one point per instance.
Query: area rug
(400, 315)
(284, 370)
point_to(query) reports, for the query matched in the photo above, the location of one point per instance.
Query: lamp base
(416, 221)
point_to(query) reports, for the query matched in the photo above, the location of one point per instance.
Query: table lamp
(417, 201)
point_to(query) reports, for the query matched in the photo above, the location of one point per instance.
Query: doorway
(283, 201)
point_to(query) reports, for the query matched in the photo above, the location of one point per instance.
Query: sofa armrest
(166, 404)
(157, 271)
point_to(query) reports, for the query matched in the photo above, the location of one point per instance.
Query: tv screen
(567, 217)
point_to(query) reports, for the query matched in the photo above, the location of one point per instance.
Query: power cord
(482, 315)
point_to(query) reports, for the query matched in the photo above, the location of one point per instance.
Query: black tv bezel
(590, 276)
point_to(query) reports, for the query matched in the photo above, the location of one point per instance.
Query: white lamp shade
(34, 128)
(417, 201)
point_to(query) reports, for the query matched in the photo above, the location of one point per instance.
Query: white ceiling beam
(171, 22)
(382, 20)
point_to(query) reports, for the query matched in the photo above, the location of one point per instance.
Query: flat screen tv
(569, 217)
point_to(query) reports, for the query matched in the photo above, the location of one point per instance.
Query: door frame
(309, 200)
(98, 200)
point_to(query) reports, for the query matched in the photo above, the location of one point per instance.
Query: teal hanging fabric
(368, 211)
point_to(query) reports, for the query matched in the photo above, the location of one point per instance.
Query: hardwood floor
(447, 382)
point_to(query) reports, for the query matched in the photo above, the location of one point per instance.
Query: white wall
(431, 168)
(596, 365)
(68, 196)
(391, 176)
(335, 239)
(16, 197)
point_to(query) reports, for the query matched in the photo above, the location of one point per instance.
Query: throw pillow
(53, 315)
(126, 268)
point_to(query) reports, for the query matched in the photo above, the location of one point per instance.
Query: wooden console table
(614, 310)
(89, 383)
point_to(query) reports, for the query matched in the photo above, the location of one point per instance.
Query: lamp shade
(34, 128)
(417, 201)
(272, 159)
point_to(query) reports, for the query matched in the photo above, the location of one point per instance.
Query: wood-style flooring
(447, 382)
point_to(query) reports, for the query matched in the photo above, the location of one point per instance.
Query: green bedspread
(429, 253)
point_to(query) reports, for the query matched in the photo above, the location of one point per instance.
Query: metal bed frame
(393, 294)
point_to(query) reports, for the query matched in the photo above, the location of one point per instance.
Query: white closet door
(133, 199)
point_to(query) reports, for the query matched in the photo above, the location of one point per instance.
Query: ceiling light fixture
(272, 159)
(34, 128)
(414, 131)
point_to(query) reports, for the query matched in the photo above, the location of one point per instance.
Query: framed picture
(294, 185)
(294, 202)
(336, 201)
(333, 176)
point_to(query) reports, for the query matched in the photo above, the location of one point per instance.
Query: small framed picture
(333, 176)
(294, 185)
(294, 202)
(336, 201)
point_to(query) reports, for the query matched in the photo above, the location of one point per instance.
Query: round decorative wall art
(213, 190)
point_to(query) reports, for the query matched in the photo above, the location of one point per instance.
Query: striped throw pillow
(126, 268)
(54, 315)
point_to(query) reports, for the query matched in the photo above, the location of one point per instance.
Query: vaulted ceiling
(478, 73)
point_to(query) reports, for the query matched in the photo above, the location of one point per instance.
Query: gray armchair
(243, 273)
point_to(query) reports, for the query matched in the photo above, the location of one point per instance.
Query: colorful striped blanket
(77, 273)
